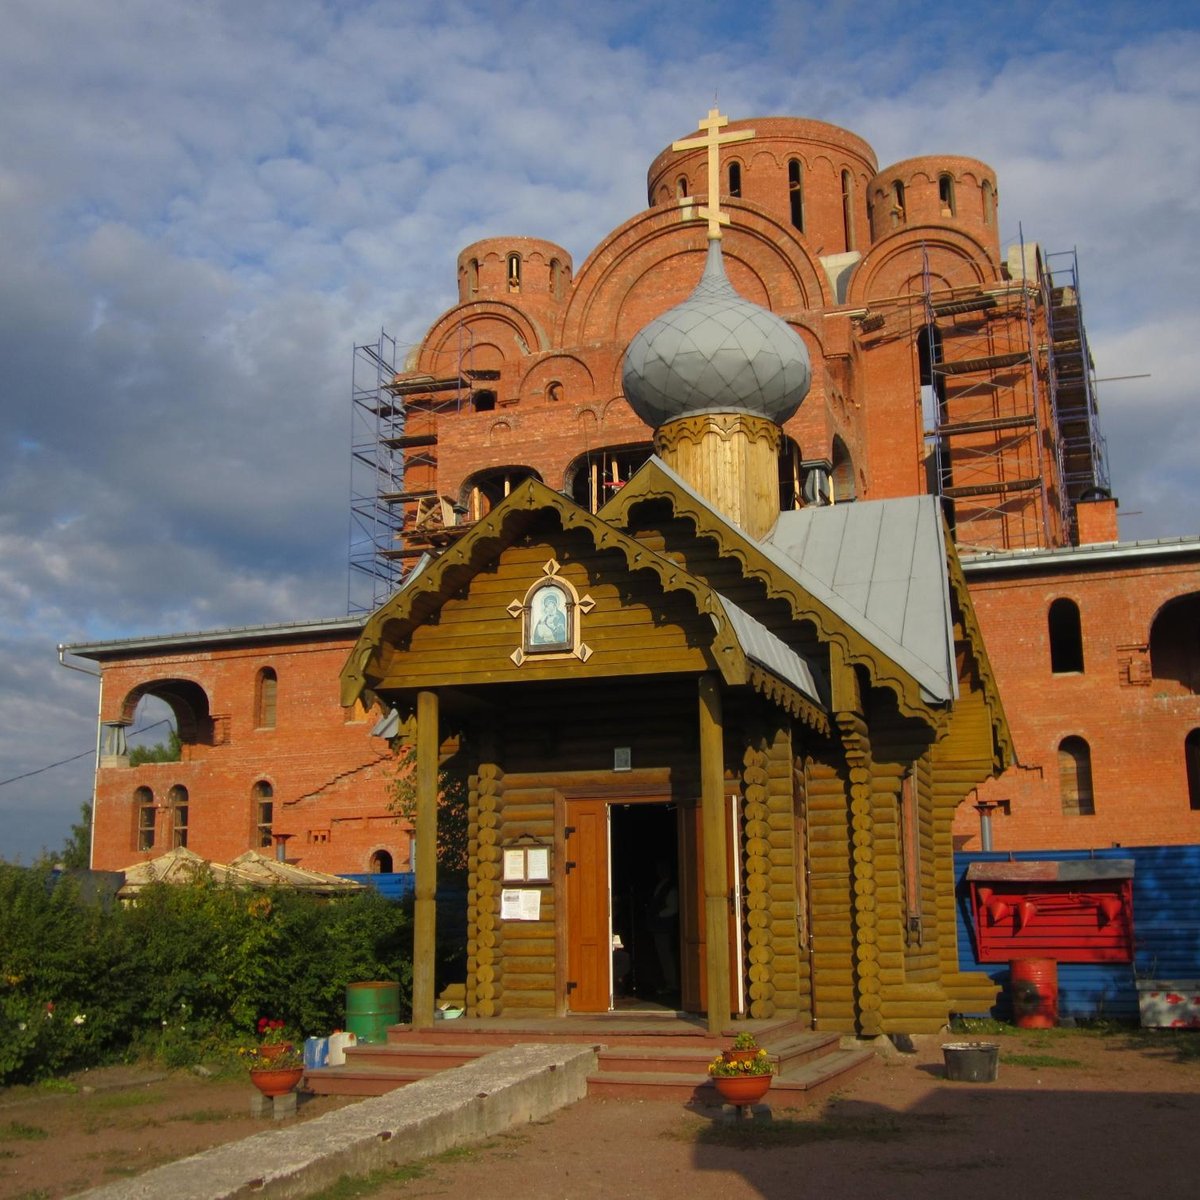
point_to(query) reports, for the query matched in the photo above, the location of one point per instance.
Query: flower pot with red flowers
(275, 1065)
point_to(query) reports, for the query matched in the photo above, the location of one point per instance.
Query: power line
(76, 757)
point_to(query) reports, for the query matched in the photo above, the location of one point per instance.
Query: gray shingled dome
(716, 353)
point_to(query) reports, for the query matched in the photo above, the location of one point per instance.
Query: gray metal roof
(237, 633)
(881, 566)
(771, 652)
(1070, 557)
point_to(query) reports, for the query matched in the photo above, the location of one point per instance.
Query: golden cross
(713, 140)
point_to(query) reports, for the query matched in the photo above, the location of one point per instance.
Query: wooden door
(589, 949)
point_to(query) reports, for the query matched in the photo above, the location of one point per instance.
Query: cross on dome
(713, 140)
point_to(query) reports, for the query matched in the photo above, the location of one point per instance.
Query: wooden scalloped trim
(501, 527)
(651, 484)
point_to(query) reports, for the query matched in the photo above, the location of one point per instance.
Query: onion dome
(716, 353)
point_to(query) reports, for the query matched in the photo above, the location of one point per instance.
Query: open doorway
(645, 905)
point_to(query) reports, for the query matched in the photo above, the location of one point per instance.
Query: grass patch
(18, 1131)
(64, 1086)
(1039, 1060)
(351, 1187)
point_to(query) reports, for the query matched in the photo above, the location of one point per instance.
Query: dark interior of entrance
(645, 905)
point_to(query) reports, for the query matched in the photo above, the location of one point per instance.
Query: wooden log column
(716, 882)
(425, 906)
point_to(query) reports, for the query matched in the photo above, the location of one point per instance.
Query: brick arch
(654, 260)
(491, 322)
(1175, 644)
(896, 259)
(187, 700)
(568, 374)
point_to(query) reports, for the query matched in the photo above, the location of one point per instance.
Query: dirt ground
(1072, 1114)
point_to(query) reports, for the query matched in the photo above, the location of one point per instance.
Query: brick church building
(942, 365)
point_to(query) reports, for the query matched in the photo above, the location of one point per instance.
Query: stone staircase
(659, 1057)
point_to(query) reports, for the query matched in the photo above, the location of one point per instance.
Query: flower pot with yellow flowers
(742, 1074)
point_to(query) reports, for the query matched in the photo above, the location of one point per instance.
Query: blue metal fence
(1166, 927)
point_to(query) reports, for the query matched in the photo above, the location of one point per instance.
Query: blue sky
(203, 206)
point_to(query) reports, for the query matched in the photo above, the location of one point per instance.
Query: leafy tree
(160, 752)
(453, 803)
(76, 854)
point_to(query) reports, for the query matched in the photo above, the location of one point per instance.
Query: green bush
(182, 971)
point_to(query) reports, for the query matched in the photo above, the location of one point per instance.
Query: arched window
(595, 477)
(791, 475)
(177, 800)
(1191, 752)
(472, 276)
(897, 203)
(488, 488)
(381, 863)
(946, 193)
(989, 203)
(264, 813)
(735, 179)
(844, 489)
(796, 192)
(1075, 777)
(483, 401)
(1175, 646)
(265, 692)
(1066, 637)
(556, 279)
(514, 272)
(143, 800)
(848, 209)
(681, 187)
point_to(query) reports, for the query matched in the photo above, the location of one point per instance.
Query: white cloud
(202, 208)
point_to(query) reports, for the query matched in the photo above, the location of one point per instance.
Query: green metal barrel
(371, 1008)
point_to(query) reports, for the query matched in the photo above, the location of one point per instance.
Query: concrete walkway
(454, 1108)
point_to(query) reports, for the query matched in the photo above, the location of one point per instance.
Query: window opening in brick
(483, 401)
(143, 799)
(472, 276)
(848, 209)
(1066, 637)
(556, 279)
(989, 203)
(735, 179)
(264, 813)
(1075, 777)
(514, 272)
(946, 193)
(488, 488)
(796, 193)
(681, 187)
(593, 478)
(791, 476)
(266, 692)
(1175, 646)
(1191, 752)
(177, 799)
(897, 203)
(381, 863)
(844, 489)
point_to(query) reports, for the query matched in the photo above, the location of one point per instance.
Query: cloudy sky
(205, 204)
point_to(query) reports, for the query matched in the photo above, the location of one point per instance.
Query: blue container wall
(393, 886)
(1166, 931)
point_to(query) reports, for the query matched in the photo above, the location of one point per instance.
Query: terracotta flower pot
(739, 1055)
(275, 1081)
(272, 1050)
(742, 1089)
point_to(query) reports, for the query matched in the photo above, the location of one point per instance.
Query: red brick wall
(327, 774)
(1134, 725)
